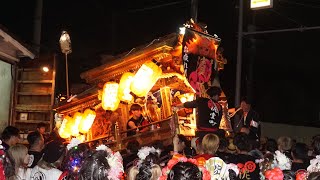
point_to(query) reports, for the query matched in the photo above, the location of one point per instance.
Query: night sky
(285, 66)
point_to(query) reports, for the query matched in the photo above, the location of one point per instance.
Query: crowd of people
(215, 156)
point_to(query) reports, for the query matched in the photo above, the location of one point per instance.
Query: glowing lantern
(186, 97)
(64, 132)
(87, 120)
(110, 100)
(75, 127)
(145, 78)
(124, 87)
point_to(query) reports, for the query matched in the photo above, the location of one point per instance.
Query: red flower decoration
(250, 166)
(301, 175)
(171, 163)
(241, 168)
(274, 174)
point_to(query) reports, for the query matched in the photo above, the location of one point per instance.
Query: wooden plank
(33, 108)
(32, 121)
(44, 88)
(36, 82)
(34, 93)
(34, 100)
(35, 76)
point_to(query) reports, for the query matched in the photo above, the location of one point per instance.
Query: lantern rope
(179, 76)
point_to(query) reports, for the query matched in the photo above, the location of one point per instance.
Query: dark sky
(284, 66)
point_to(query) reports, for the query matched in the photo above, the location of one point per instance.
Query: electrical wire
(288, 18)
(157, 6)
(300, 4)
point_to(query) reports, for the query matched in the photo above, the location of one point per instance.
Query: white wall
(300, 133)
(5, 93)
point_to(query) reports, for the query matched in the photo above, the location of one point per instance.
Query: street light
(65, 45)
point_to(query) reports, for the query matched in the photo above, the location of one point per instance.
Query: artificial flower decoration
(314, 165)
(115, 162)
(145, 151)
(282, 161)
(73, 143)
(116, 166)
(180, 158)
(274, 174)
(101, 147)
(301, 174)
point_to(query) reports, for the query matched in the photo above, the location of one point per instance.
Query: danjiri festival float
(172, 69)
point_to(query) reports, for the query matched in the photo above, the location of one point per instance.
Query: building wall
(300, 133)
(5, 93)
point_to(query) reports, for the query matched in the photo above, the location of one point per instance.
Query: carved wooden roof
(158, 49)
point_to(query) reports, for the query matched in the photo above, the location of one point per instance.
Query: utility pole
(239, 55)
(194, 10)
(252, 31)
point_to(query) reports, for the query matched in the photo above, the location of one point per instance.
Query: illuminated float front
(156, 76)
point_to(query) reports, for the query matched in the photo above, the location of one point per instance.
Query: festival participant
(131, 156)
(247, 164)
(19, 154)
(76, 154)
(300, 159)
(185, 170)
(210, 144)
(48, 166)
(315, 146)
(209, 111)
(10, 136)
(183, 146)
(136, 120)
(148, 165)
(36, 145)
(249, 121)
(6, 166)
(181, 167)
(41, 127)
(284, 145)
(102, 164)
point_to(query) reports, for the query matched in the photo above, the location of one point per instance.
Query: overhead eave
(11, 50)
(160, 49)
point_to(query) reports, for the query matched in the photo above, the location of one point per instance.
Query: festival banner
(199, 59)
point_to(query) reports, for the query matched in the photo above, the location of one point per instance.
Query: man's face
(42, 130)
(215, 97)
(14, 140)
(245, 107)
(136, 113)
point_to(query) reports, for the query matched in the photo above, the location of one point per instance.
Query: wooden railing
(118, 140)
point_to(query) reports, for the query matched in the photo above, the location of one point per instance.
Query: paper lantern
(77, 117)
(87, 120)
(64, 131)
(110, 100)
(187, 97)
(145, 78)
(124, 87)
